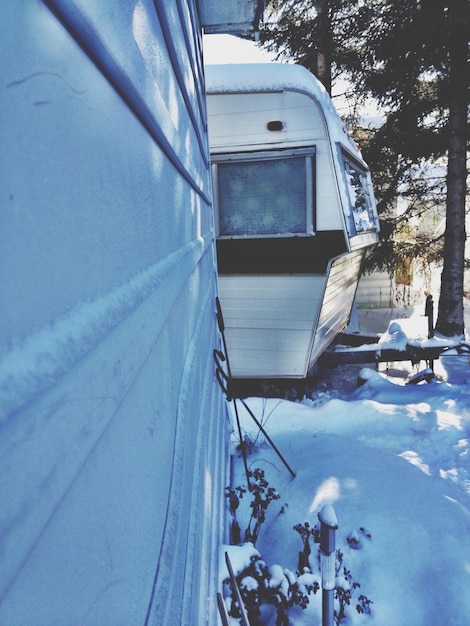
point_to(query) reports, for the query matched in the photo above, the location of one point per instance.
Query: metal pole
(429, 313)
(227, 378)
(268, 438)
(328, 527)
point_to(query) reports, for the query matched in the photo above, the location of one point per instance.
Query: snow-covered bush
(344, 584)
(262, 585)
(262, 494)
(345, 587)
(306, 532)
(280, 588)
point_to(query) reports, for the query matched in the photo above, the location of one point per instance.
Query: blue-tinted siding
(113, 448)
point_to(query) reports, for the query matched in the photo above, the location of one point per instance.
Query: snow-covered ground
(392, 459)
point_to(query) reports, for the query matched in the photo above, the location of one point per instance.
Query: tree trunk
(323, 60)
(450, 321)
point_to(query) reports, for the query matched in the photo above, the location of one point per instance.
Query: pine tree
(411, 56)
(450, 315)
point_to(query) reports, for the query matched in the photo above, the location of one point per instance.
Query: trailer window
(262, 195)
(361, 204)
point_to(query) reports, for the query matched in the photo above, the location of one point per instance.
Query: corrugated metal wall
(113, 430)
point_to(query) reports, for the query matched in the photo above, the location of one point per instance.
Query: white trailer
(294, 213)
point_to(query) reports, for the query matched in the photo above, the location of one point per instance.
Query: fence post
(429, 313)
(328, 527)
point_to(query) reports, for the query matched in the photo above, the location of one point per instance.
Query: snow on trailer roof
(271, 77)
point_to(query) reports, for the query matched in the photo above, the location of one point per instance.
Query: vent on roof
(275, 125)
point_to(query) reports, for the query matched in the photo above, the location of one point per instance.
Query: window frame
(366, 185)
(261, 156)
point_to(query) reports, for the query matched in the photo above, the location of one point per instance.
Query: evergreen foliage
(411, 58)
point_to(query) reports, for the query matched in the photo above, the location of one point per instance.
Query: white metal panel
(328, 208)
(376, 290)
(270, 77)
(238, 122)
(341, 285)
(114, 444)
(269, 321)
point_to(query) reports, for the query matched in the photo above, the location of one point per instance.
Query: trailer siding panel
(269, 323)
(114, 448)
(337, 301)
